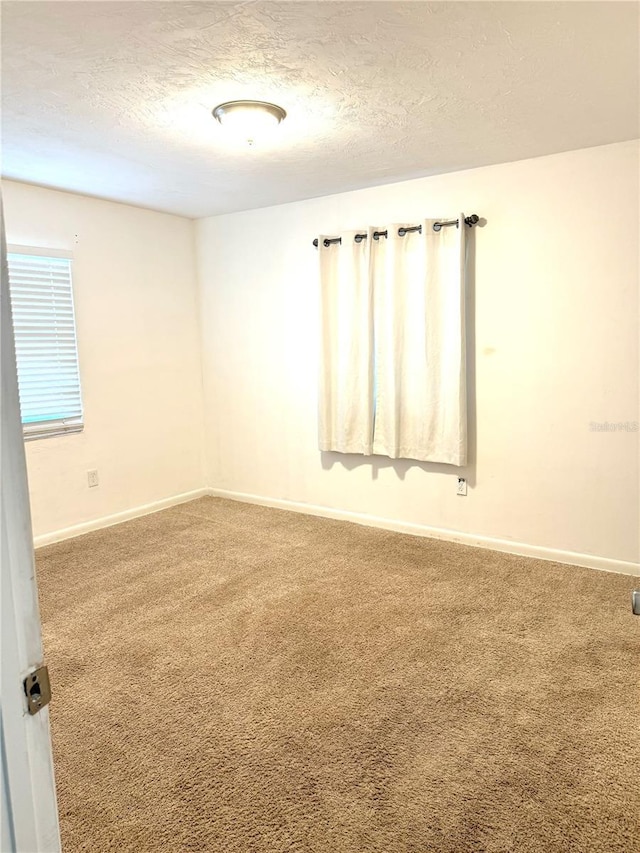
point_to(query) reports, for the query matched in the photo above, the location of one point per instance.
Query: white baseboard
(519, 548)
(110, 520)
(505, 545)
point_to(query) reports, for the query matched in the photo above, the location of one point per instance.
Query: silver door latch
(37, 689)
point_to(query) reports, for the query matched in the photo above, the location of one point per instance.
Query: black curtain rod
(469, 220)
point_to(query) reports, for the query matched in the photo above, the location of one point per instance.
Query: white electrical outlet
(92, 478)
(462, 486)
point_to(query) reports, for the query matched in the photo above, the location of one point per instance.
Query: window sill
(51, 432)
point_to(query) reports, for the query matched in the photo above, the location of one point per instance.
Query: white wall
(139, 352)
(555, 347)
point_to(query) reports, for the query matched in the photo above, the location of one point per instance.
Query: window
(45, 335)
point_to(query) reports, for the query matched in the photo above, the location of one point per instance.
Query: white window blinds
(46, 349)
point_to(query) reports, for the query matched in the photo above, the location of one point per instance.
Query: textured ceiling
(114, 99)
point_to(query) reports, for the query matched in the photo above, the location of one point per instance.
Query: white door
(29, 810)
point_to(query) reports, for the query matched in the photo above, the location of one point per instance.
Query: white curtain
(346, 356)
(393, 357)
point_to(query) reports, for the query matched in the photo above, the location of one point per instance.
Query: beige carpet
(233, 678)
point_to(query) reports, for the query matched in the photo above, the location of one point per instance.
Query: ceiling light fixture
(249, 119)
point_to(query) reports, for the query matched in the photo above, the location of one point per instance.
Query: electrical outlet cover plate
(462, 486)
(92, 478)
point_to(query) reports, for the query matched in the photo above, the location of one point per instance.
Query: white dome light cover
(249, 119)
